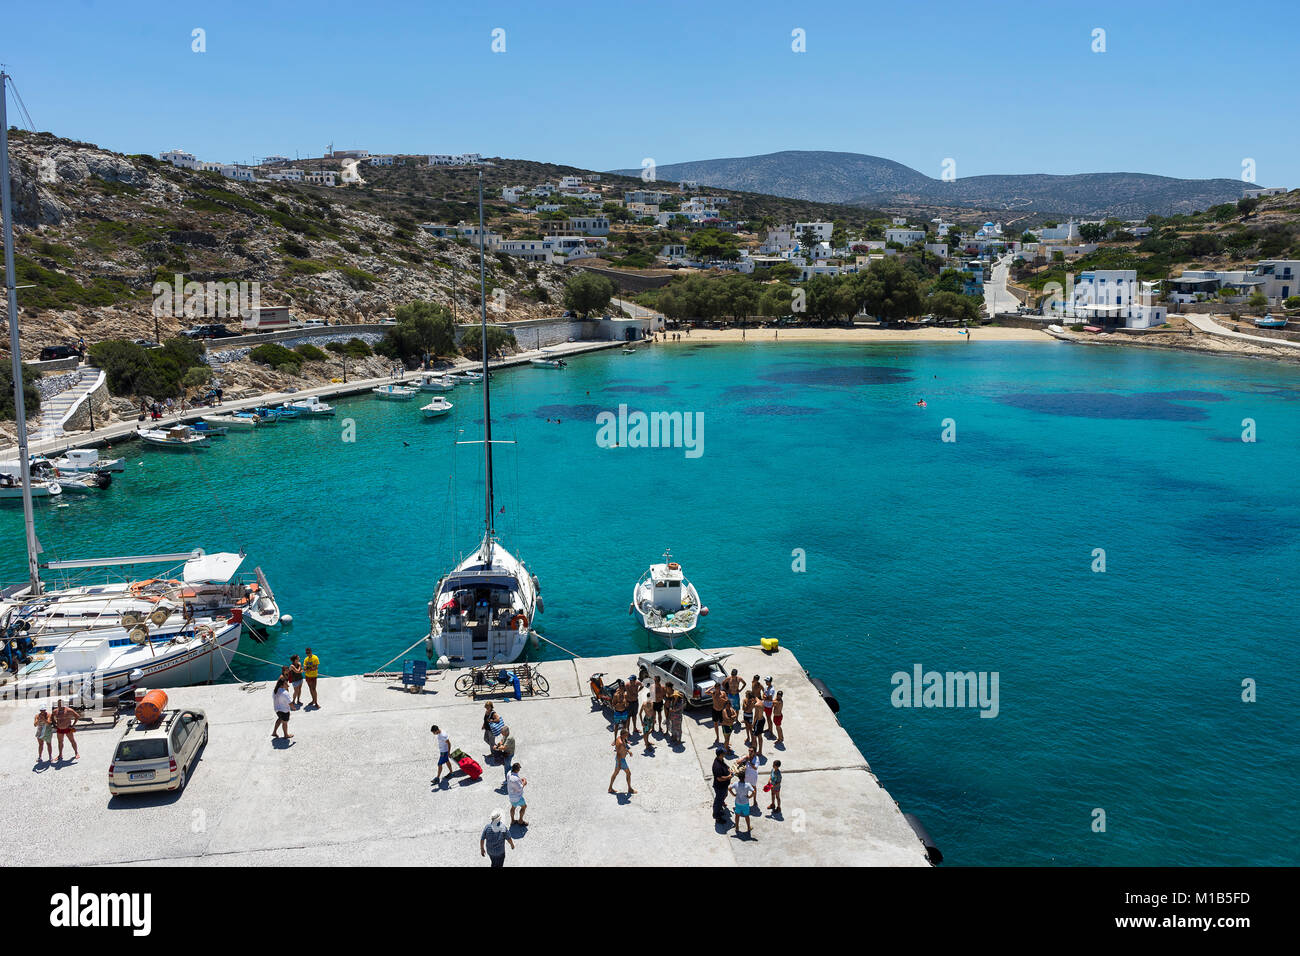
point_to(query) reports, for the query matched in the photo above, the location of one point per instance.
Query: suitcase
(471, 768)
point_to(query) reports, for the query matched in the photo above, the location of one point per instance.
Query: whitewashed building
(904, 235)
(178, 157)
(822, 230)
(320, 177)
(1109, 298)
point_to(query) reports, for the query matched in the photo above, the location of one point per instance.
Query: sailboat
(96, 661)
(482, 611)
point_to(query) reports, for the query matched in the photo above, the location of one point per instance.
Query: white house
(589, 225)
(542, 189)
(275, 160)
(290, 174)
(939, 249)
(651, 196)
(570, 182)
(1109, 298)
(531, 250)
(379, 160)
(319, 177)
(1066, 233)
(513, 193)
(643, 209)
(779, 240)
(822, 230)
(688, 185)
(904, 235)
(350, 153)
(243, 174)
(900, 220)
(1280, 278)
(178, 157)
(1254, 192)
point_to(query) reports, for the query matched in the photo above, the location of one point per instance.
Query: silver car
(158, 756)
(692, 671)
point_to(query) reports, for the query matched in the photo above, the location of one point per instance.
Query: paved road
(996, 297)
(1206, 324)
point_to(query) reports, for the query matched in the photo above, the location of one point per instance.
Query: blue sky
(1186, 89)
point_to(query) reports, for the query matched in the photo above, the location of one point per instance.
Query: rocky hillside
(95, 230)
(858, 179)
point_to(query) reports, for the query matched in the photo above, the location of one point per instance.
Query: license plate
(142, 775)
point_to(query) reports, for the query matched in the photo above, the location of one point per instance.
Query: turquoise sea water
(1118, 690)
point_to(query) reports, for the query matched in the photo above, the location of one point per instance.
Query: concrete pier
(355, 787)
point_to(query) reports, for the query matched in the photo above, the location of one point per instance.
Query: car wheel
(180, 782)
(204, 741)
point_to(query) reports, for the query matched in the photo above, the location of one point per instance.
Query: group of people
(658, 706)
(60, 722)
(760, 713)
(741, 781)
(293, 675)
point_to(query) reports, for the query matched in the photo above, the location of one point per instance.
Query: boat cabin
(478, 601)
(667, 584)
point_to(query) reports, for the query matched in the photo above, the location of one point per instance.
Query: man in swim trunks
(621, 749)
(661, 692)
(732, 685)
(618, 704)
(719, 707)
(65, 724)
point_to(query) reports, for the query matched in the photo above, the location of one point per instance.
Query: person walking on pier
(515, 784)
(311, 671)
(492, 842)
(282, 705)
(721, 778)
(505, 749)
(489, 718)
(622, 746)
(444, 753)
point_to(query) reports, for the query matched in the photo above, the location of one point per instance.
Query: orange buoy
(149, 708)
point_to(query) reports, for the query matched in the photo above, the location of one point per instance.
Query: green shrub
(352, 348)
(31, 394)
(132, 370)
(276, 356)
(310, 352)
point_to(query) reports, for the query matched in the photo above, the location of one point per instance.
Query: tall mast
(11, 289)
(487, 404)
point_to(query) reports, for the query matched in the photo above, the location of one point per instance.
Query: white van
(157, 756)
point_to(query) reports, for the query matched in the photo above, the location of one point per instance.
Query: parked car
(313, 324)
(692, 671)
(147, 344)
(216, 331)
(158, 756)
(51, 352)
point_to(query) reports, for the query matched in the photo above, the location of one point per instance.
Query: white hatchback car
(158, 756)
(691, 671)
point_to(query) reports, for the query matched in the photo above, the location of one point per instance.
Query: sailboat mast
(11, 290)
(487, 404)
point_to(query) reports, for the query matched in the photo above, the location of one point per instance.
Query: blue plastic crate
(415, 673)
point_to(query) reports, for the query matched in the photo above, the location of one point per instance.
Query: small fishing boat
(667, 603)
(466, 375)
(275, 414)
(437, 408)
(548, 360)
(79, 460)
(394, 393)
(241, 421)
(436, 382)
(179, 437)
(629, 351)
(310, 407)
(1269, 322)
(211, 431)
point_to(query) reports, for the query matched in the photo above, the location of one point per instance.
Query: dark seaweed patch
(840, 376)
(782, 410)
(1140, 407)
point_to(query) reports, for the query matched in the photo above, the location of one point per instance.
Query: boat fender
(286, 619)
(932, 852)
(540, 606)
(630, 607)
(820, 686)
(537, 585)
(704, 612)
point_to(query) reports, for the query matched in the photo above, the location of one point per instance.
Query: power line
(22, 107)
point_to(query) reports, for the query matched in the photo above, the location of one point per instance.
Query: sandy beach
(986, 334)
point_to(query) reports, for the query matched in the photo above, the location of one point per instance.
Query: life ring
(674, 566)
(517, 620)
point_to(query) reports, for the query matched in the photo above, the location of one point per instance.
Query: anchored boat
(178, 437)
(667, 603)
(394, 393)
(437, 408)
(310, 407)
(482, 611)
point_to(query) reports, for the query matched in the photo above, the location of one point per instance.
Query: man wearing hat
(492, 844)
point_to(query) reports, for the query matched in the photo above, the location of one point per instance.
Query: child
(774, 785)
(744, 793)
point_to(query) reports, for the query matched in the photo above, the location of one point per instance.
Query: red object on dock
(149, 708)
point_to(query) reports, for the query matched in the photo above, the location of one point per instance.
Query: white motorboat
(548, 360)
(394, 393)
(437, 408)
(466, 375)
(311, 407)
(436, 382)
(482, 611)
(209, 430)
(263, 613)
(667, 603)
(76, 461)
(238, 422)
(11, 488)
(179, 437)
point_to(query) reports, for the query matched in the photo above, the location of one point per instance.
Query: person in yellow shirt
(311, 670)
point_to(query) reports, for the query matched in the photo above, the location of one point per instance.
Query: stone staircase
(58, 408)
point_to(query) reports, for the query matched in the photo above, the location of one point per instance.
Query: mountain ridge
(863, 179)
